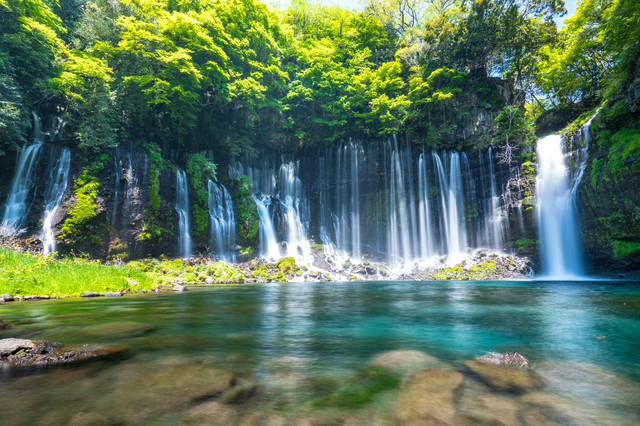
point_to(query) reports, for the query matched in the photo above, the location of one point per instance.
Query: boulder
(90, 294)
(427, 397)
(21, 352)
(405, 361)
(507, 378)
(7, 297)
(509, 358)
(44, 297)
(11, 346)
(113, 294)
(1, 300)
(179, 287)
(30, 298)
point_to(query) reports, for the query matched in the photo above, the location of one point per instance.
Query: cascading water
(269, 248)
(17, 210)
(560, 247)
(182, 207)
(278, 192)
(54, 192)
(223, 222)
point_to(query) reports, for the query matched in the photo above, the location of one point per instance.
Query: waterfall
(426, 236)
(277, 187)
(560, 247)
(54, 192)
(17, 210)
(223, 221)
(182, 207)
(269, 248)
(451, 203)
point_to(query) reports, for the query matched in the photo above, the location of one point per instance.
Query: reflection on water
(339, 353)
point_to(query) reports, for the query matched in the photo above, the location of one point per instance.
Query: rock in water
(90, 294)
(4, 325)
(7, 297)
(113, 294)
(427, 398)
(11, 346)
(510, 358)
(20, 352)
(179, 287)
(405, 361)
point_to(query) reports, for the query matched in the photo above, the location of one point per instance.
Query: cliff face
(609, 191)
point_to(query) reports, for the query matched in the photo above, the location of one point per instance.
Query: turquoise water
(319, 339)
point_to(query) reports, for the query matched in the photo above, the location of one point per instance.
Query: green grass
(27, 274)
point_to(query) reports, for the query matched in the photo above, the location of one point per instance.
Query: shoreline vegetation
(26, 275)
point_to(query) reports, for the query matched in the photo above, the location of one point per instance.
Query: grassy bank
(27, 274)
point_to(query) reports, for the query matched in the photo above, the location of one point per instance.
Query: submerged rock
(427, 397)
(179, 287)
(4, 325)
(405, 361)
(21, 352)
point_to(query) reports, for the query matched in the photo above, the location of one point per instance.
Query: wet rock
(1, 300)
(502, 377)
(4, 325)
(240, 393)
(405, 361)
(44, 297)
(179, 287)
(30, 298)
(11, 346)
(7, 297)
(23, 352)
(90, 294)
(113, 294)
(630, 160)
(509, 358)
(427, 397)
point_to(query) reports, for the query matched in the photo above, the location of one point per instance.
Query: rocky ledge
(24, 352)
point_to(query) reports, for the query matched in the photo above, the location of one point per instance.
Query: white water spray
(54, 192)
(182, 207)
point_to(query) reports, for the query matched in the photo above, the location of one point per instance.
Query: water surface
(301, 352)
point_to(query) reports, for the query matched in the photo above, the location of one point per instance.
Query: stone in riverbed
(7, 297)
(179, 287)
(44, 297)
(4, 325)
(30, 298)
(11, 346)
(427, 397)
(90, 294)
(405, 361)
(509, 358)
(113, 294)
(20, 352)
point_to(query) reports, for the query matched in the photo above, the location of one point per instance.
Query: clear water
(308, 347)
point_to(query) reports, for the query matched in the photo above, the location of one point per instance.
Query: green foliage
(248, 218)
(513, 128)
(476, 272)
(26, 274)
(199, 170)
(625, 248)
(85, 208)
(165, 272)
